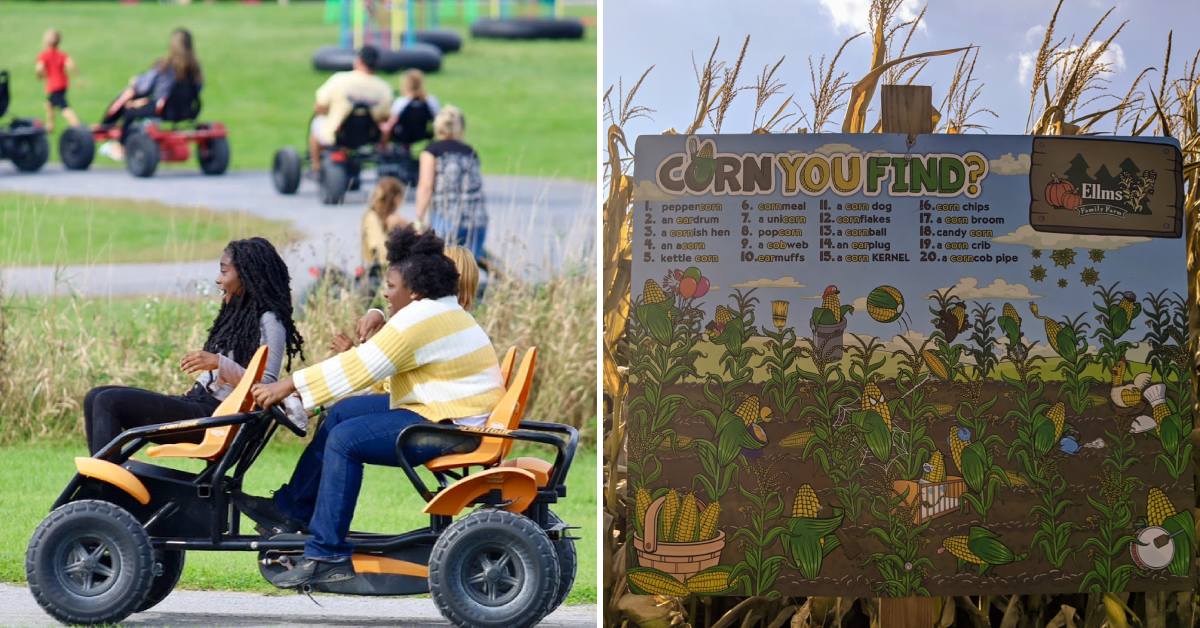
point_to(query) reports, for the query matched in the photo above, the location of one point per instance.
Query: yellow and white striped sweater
(440, 362)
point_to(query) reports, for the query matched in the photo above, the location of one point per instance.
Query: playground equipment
(23, 140)
(390, 26)
(541, 19)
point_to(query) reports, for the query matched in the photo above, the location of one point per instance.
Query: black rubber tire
(171, 562)
(214, 158)
(568, 564)
(334, 182)
(530, 554)
(527, 28)
(130, 555)
(30, 153)
(424, 57)
(285, 170)
(76, 148)
(443, 39)
(141, 154)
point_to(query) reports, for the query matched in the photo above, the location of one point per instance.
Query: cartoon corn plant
(757, 571)
(732, 328)
(972, 448)
(949, 320)
(809, 538)
(912, 411)
(873, 418)
(980, 548)
(1181, 527)
(1160, 334)
(780, 358)
(1108, 549)
(1116, 312)
(902, 569)
(735, 431)
(1173, 429)
(983, 341)
(1068, 338)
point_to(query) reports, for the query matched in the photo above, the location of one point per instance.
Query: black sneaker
(270, 519)
(310, 572)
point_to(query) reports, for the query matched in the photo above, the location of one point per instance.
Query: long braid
(266, 287)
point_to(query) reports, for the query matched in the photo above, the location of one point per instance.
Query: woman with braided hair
(256, 309)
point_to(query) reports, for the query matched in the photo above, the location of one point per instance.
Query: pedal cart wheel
(90, 562)
(171, 564)
(141, 154)
(568, 564)
(334, 181)
(31, 152)
(77, 148)
(213, 156)
(493, 568)
(285, 170)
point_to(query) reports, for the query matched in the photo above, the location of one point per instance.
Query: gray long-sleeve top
(220, 382)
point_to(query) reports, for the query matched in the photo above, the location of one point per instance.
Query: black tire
(97, 536)
(519, 560)
(30, 152)
(424, 57)
(285, 170)
(334, 181)
(442, 39)
(213, 158)
(171, 564)
(76, 148)
(568, 564)
(141, 154)
(527, 28)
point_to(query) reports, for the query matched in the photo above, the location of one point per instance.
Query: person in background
(256, 309)
(468, 275)
(338, 95)
(413, 112)
(53, 66)
(380, 219)
(450, 186)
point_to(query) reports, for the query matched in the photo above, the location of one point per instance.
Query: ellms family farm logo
(1102, 192)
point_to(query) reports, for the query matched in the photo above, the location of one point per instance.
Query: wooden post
(907, 109)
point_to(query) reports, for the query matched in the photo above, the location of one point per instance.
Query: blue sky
(638, 33)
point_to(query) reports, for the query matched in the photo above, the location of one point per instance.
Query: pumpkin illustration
(1071, 200)
(1057, 190)
(700, 171)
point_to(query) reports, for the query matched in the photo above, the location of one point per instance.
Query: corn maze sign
(865, 368)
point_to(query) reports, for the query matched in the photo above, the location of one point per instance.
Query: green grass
(35, 474)
(530, 106)
(55, 230)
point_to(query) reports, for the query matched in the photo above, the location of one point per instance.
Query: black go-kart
(23, 141)
(357, 146)
(493, 554)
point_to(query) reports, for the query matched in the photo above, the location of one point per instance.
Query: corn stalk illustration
(949, 352)
(836, 443)
(757, 571)
(913, 413)
(809, 537)
(1165, 338)
(1116, 313)
(780, 358)
(1068, 339)
(983, 347)
(902, 569)
(976, 460)
(1108, 549)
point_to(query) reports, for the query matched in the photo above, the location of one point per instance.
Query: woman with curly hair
(256, 309)
(441, 367)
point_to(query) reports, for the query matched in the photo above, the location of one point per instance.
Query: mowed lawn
(36, 230)
(35, 474)
(530, 106)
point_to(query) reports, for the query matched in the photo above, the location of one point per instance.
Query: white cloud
(788, 282)
(649, 191)
(829, 149)
(1025, 235)
(1111, 60)
(860, 304)
(1009, 164)
(855, 15)
(968, 288)
(1034, 33)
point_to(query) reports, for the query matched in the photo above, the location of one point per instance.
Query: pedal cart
(166, 137)
(115, 541)
(356, 145)
(23, 141)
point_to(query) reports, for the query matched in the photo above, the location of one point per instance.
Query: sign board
(864, 368)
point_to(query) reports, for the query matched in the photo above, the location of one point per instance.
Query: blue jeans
(470, 238)
(325, 484)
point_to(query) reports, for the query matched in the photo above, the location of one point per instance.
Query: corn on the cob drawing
(655, 582)
(1158, 507)
(798, 438)
(1011, 312)
(872, 399)
(641, 505)
(708, 521)
(687, 529)
(1058, 415)
(832, 302)
(959, 438)
(669, 515)
(706, 150)
(652, 293)
(748, 410)
(806, 504)
(957, 545)
(885, 304)
(982, 548)
(711, 580)
(935, 364)
(935, 469)
(724, 315)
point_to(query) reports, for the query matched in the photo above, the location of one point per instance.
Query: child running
(53, 65)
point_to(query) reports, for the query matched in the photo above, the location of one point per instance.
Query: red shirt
(55, 63)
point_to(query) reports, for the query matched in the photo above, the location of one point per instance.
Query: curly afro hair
(421, 260)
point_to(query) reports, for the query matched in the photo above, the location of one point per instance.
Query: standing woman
(256, 309)
(450, 186)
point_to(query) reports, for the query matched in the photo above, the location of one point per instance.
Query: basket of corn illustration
(935, 493)
(679, 534)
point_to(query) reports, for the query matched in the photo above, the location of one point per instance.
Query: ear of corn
(708, 521)
(724, 315)
(687, 529)
(806, 504)
(651, 293)
(957, 545)
(1158, 507)
(1182, 527)
(1052, 327)
(988, 547)
(711, 580)
(1119, 373)
(935, 364)
(1058, 415)
(796, 439)
(873, 400)
(1011, 312)
(834, 304)
(747, 411)
(960, 315)
(937, 468)
(668, 516)
(641, 505)
(647, 581)
(956, 446)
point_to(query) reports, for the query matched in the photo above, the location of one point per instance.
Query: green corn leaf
(974, 465)
(1183, 525)
(654, 317)
(1043, 434)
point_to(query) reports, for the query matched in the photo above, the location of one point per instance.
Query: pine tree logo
(1102, 193)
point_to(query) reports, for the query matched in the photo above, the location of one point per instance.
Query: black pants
(110, 410)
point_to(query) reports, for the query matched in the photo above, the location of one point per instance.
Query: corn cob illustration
(1011, 312)
(724, 314)
(832, 302)
(706, 150)
(872, 399)
(959, 311)
(651, 293)
(1156, 396)
(748, 409)
(1052, 326)
(669, 515)
(655, 582)
(806, 505)
(708, 521)
(1127, 305)
(959, 438)
(935, 364)
(957, 545)
(935, 469)
(641, 505)
(1058, 414)
(711, 580)
(1158, 507)
(796, 439)
(686, 529)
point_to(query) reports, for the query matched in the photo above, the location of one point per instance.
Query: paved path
(539, 222)
(219, 608)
